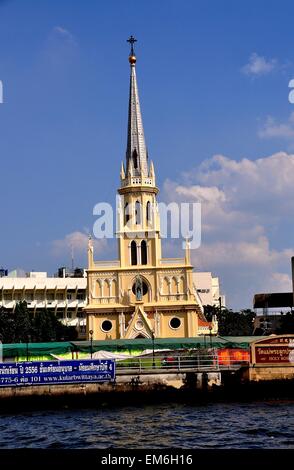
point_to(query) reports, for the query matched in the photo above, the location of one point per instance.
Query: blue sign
(17, 374)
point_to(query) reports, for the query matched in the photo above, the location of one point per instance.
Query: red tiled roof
(204, 323)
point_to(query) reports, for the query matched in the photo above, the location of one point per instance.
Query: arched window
(148, 212)
(138, 212)
(143, 252)
(133, 252)
(135, 159)
(127, 213)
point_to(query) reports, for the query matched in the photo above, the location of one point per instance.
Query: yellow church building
(141, 295)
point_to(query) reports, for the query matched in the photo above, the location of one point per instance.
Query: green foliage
(22, 322)
(7, 326)
(287, 323)
(231, 323)
(22, 326)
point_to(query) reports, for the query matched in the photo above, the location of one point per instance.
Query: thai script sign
(280, 354)
(278, 350)
(17, 374)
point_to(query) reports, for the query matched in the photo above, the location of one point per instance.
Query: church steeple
(136, 155)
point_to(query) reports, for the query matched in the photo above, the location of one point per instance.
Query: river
(211, 425)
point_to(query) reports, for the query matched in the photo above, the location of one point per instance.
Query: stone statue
(139, 288)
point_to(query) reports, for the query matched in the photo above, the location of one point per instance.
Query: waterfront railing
(209, 362)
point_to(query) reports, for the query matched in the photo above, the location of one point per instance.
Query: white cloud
(273, 129)
(258, 65)
(61, 47)
(78, 242)
(62, 34)
(245, 206)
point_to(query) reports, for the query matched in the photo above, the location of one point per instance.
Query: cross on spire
(132, 41)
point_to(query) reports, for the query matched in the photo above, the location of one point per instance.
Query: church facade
(141, 294)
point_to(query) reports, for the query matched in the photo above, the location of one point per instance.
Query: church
(140, 295)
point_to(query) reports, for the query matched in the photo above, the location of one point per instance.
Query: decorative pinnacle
(132, 57)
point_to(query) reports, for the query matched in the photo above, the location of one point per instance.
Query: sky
(213, 81)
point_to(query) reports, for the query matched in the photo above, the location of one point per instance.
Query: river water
(212, 425)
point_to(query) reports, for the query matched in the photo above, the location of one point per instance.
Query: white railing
(137, 180)
(174, 297)
(115, 263)
(169, 261)
(176, 363)
(106, 300)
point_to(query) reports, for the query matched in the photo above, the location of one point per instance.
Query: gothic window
(181, 285)
(107, 288)
(134, 253)
(143, 252)
(138, 212)
(135, 158)
(165, 286)
(174, 287)
(148, 213)
(113, 294)
(127, 213)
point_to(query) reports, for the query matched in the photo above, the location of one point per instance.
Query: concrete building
(65, 296)
(140, 294)
(208, 289)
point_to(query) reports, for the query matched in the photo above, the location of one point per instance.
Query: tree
(231, 323)
(47, 327)
(23, 323)
(7, 326)
(23, 326)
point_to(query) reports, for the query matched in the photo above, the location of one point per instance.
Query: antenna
(72, 257)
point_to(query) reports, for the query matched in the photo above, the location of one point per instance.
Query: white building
(65, 296)
(208, 289)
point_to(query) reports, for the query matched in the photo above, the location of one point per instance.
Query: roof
(203, 323)
(270, 300)
(43, 282)
(136, 147)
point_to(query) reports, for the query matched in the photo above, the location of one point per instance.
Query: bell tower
(140, 294)
(138, 218)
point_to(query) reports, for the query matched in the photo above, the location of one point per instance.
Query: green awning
(16, 350)
(166, 343)
(36, 349)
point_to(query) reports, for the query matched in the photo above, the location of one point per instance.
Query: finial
(132, 57)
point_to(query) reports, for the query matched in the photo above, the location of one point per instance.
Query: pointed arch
(181, 285)
(127, 213)
(165, 286)
(138, 212)
(134, 259)
(174, 285)
(148, 212)
(135, 158)
(114, 288)
(107, 288)
(143, 252)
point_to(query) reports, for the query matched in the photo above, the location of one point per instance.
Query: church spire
(136, 155)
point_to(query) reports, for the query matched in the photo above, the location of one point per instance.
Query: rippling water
(217, 425)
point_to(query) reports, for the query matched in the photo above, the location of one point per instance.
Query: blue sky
(213, 80)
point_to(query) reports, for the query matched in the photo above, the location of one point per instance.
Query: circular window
(145, 288)
(175, 323)
(106, 325)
